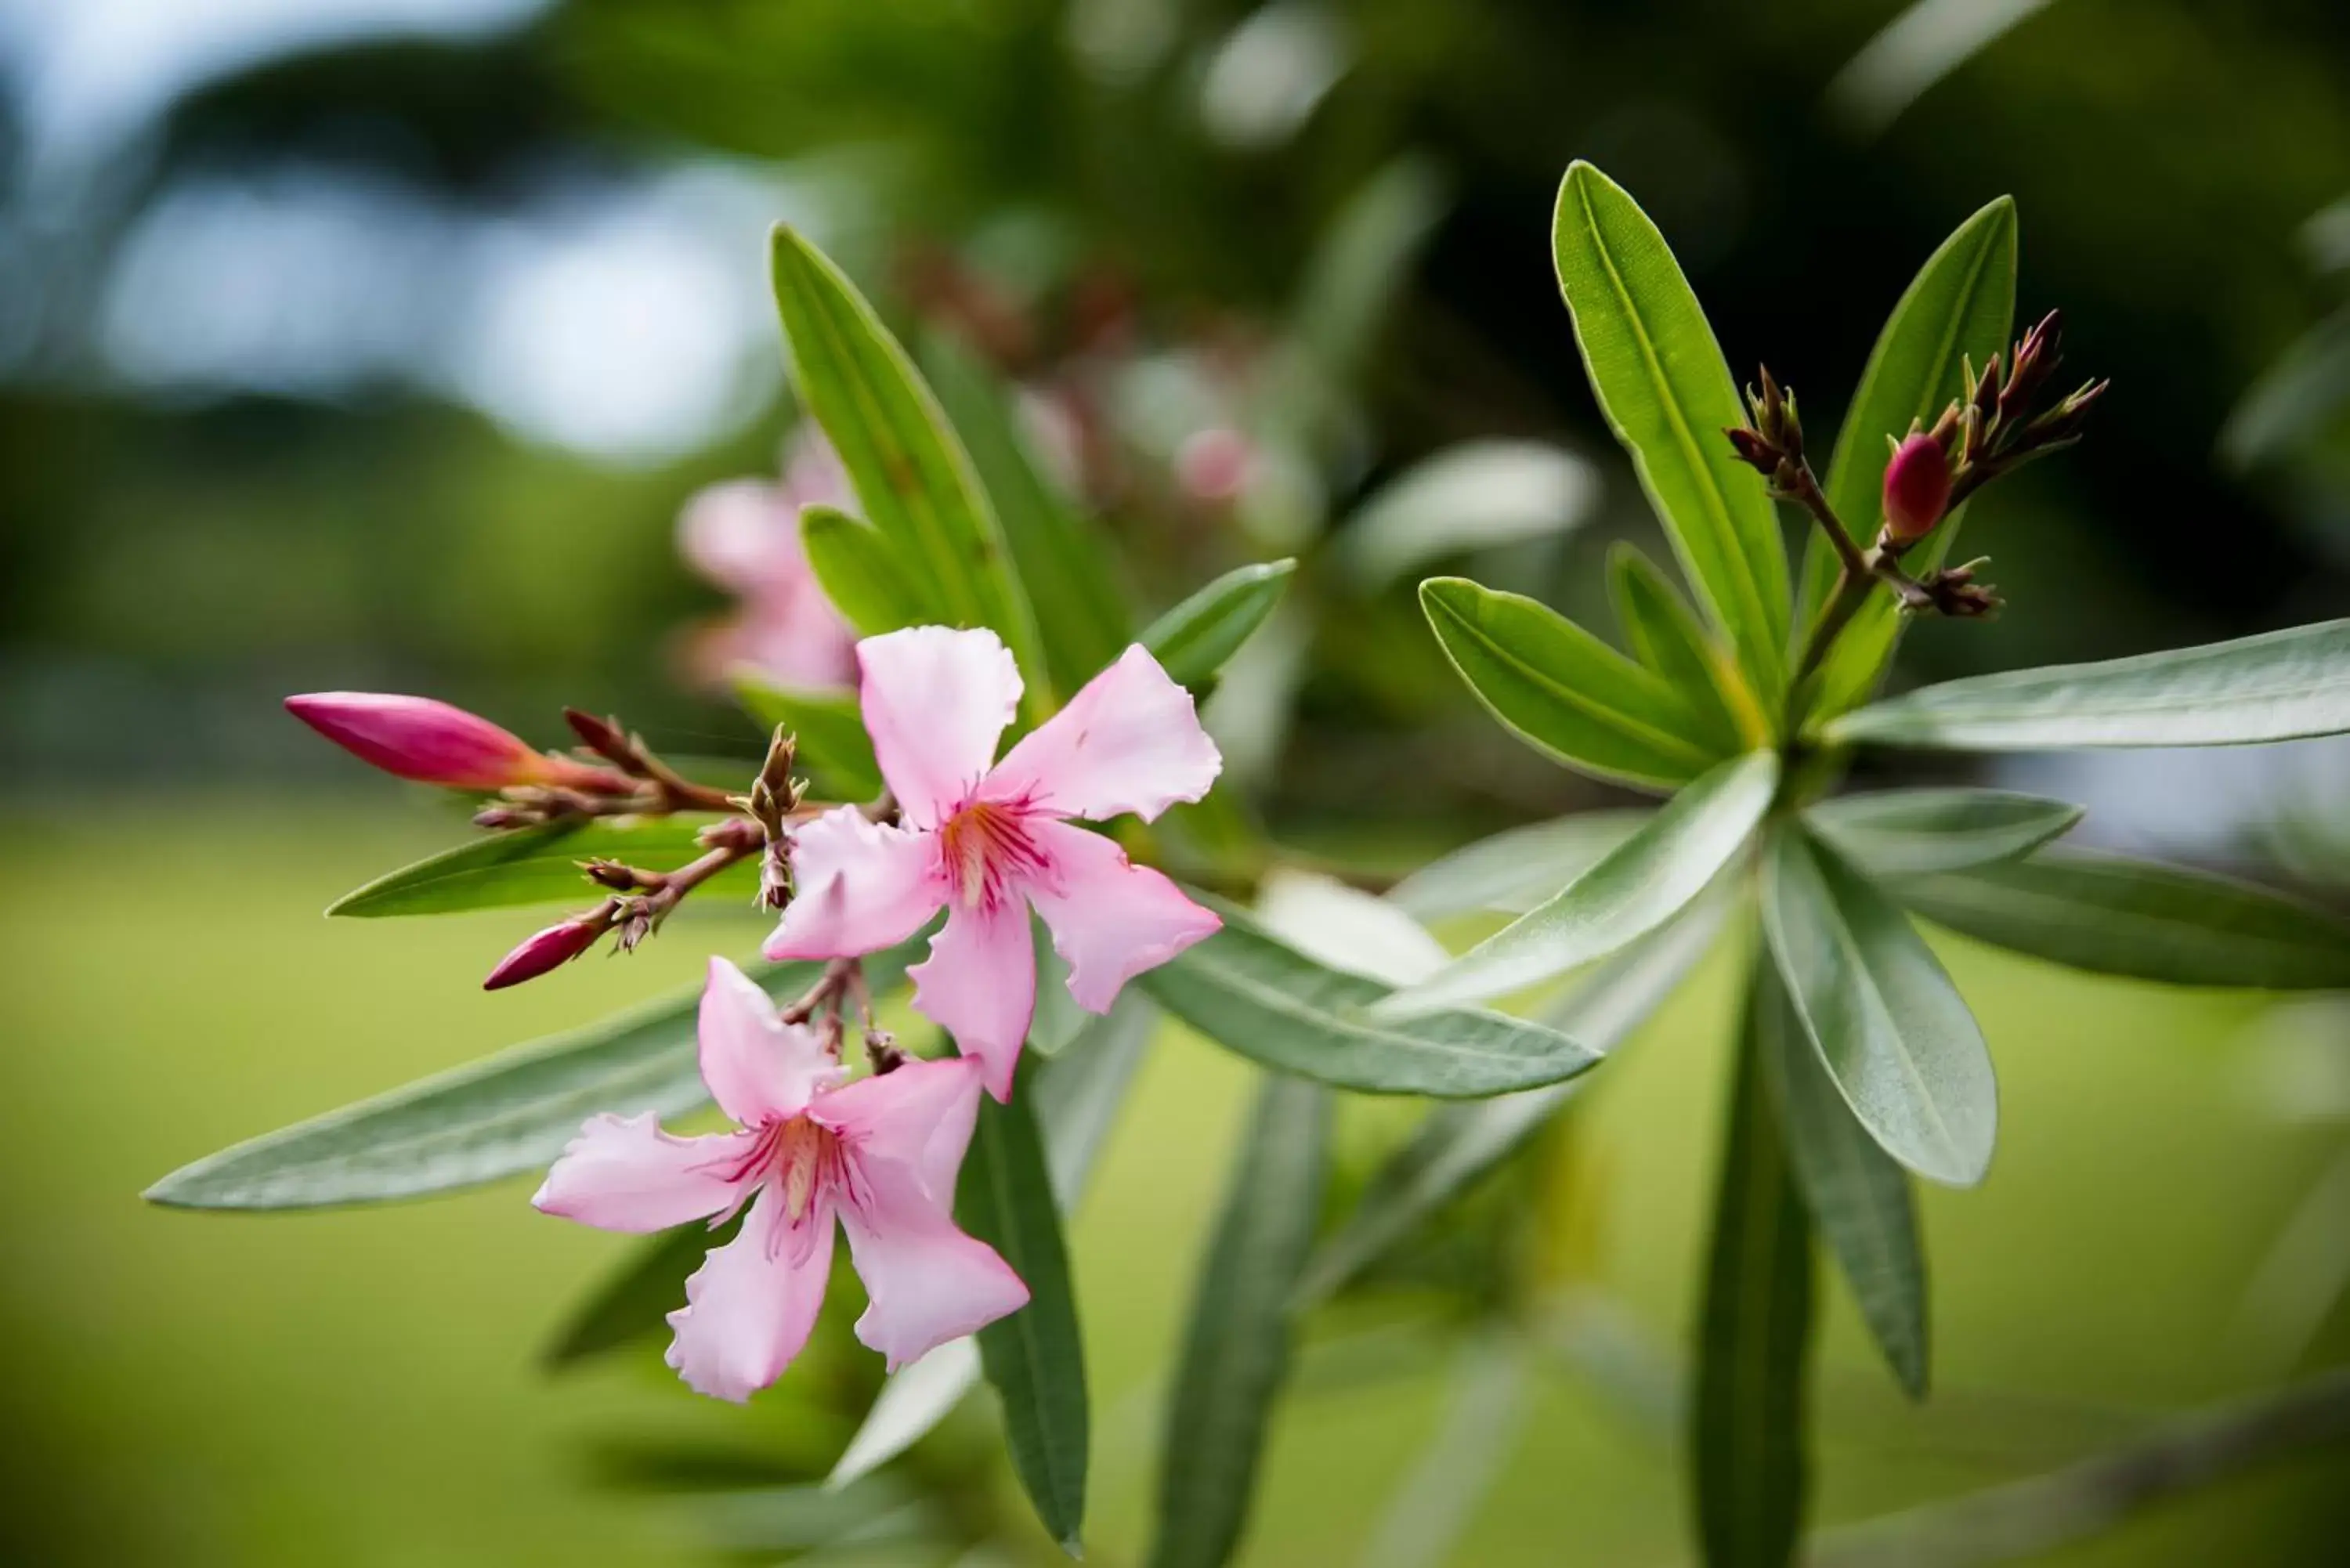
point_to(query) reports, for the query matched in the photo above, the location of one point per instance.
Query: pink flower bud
(549, 950)
(1916, 488)
(1213, 465)
(431, 742)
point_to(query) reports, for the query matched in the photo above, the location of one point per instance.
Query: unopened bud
(429, 742)
(1917, 489)
(552, 948)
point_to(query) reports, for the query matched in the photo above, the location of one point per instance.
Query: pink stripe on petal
(918, 1119)
(1110, 920)
(979, 984)
(1128, 742)
(751, 1305)
(626, 1174)
(935, 701)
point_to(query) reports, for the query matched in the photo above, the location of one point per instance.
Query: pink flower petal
(744, 535)
(1110, 920)
(936, 701)
(749, 1308)
(626, 1174)
(979, 984)
(861, 887)
(926, 1280)
(918, 1117)
(429, 741)
(757, 1067)
(1129, 741)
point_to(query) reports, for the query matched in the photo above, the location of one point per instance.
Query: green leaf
(862, 573)
(1062, 558)
(1563, 691)
(635, 1298)
(1472, 496)
(2109, 915)
(500, 1116)
(1892, 1029)
(1668, 395)
(1458, 1143)
(1193, 639)
(1035, 1357)
(1516, 869)
(1645, 881)
(532, 865)
(2276, 687)
(834, 751)
(912, 477)
(1960, 305)
(1859, 1201)
(1914, 831)
(1236, 1350)
(1359, 265)
(1748, 1421)
(1262, 999)
(1668, 637)
(912, 1402)
(1439, 1498)
(1077, 1096)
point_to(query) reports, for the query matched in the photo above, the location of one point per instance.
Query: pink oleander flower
(880, 1156)
(743, 535)
(985, 842)
(431, 742)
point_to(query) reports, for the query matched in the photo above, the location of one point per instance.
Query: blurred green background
(378, 343)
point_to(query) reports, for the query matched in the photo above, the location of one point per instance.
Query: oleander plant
(1001, 859)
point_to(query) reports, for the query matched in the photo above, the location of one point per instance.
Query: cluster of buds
(1995, 428)
(614, 774)
(774, 796)
(1772, 441)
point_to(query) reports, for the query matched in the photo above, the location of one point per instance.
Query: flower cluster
(984, 840)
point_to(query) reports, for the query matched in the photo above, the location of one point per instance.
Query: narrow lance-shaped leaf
(1515, 869)
(1459, 1143)
(2278, 686)
(1256, 996)
(1077, 1096)
(2111, 915)
(1193, 639)
(509, 1114)
(834, 751)
(1859, 1201)
(1641, 884)
(1754, 1332)
(864, 573)
(1666, 637)
(1035, 1357)
(1061, 556)
(1669, 396)
(532, 866)
(913, 480)
(1562, 690)
(1912, 831)
(1960, 307)
(1236, 1351)
(1438, 1501)
(1887, 1022)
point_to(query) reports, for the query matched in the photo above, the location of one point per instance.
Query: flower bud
(1916, 488)
(551, 949)
(429, 742)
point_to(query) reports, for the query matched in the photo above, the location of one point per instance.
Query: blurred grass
(361, 1388)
